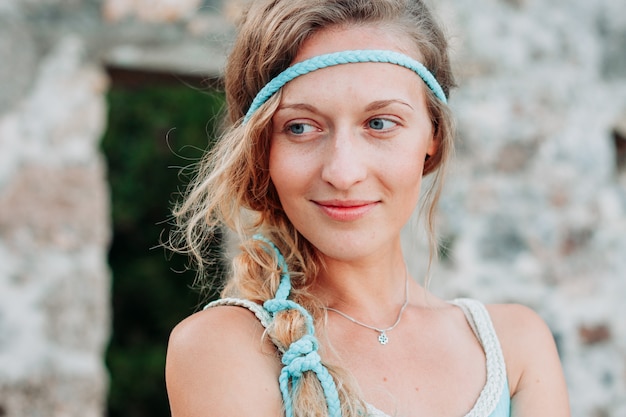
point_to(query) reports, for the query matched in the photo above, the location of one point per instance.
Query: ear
(433, 147)
(433, 156)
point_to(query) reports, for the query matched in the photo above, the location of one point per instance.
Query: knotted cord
(302, 355)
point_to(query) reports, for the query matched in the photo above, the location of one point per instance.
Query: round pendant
(383, 339)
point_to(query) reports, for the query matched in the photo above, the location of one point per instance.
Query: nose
(345, 161)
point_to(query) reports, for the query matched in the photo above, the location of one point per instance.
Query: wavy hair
(232, 187)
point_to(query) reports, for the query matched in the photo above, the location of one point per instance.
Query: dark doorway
(158, 123)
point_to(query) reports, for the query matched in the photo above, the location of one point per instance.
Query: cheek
(286, 171)
(405, 176)
(276, 169)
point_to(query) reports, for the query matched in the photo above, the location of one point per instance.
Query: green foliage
(153, 132)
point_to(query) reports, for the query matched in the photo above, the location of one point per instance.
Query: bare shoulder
(217, 360)
(517, 321)
(533, 366)
(524, 336)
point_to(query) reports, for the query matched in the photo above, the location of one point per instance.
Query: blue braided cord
(274, 306)
(344, 57)
(284, 288)
(301, 356)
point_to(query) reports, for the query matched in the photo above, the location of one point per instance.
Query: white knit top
(494, 399)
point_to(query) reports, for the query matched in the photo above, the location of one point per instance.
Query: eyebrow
(297, 106)
(375, 105)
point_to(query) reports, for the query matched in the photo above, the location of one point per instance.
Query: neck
(372, 292)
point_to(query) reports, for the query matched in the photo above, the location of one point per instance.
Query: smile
(346, 211)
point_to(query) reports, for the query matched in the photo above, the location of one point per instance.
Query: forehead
(355, 37)
(384, 81)
(355, 86)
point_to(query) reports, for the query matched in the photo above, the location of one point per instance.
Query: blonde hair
(233, 188)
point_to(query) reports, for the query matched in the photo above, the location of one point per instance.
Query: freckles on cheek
(288, 164)
(283, 172)
(275, 161)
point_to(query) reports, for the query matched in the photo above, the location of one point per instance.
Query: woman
(337, 111)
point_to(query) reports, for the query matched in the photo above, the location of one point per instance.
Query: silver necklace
(383, 339)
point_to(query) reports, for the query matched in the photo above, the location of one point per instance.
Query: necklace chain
(383, 339)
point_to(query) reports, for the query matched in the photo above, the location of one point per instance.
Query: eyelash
(384, 120)
(288, 128)
(311, 128)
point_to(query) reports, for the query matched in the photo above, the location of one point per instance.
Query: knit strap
(494, 391)
(264, 317)
(300, 357)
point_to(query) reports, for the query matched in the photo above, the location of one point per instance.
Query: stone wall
(54, 282)
(534, 211)
(54, 200)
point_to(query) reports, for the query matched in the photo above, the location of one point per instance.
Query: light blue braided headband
(301, 356)
(344, 57)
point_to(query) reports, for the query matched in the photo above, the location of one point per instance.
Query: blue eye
(380, 124)
(299, 128)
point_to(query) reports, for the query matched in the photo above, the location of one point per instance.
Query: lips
(346, 210)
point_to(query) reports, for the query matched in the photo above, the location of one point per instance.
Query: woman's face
(348, 146)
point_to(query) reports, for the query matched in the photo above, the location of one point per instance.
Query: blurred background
(102, 102)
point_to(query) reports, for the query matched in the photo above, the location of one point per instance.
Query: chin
(346, 250)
